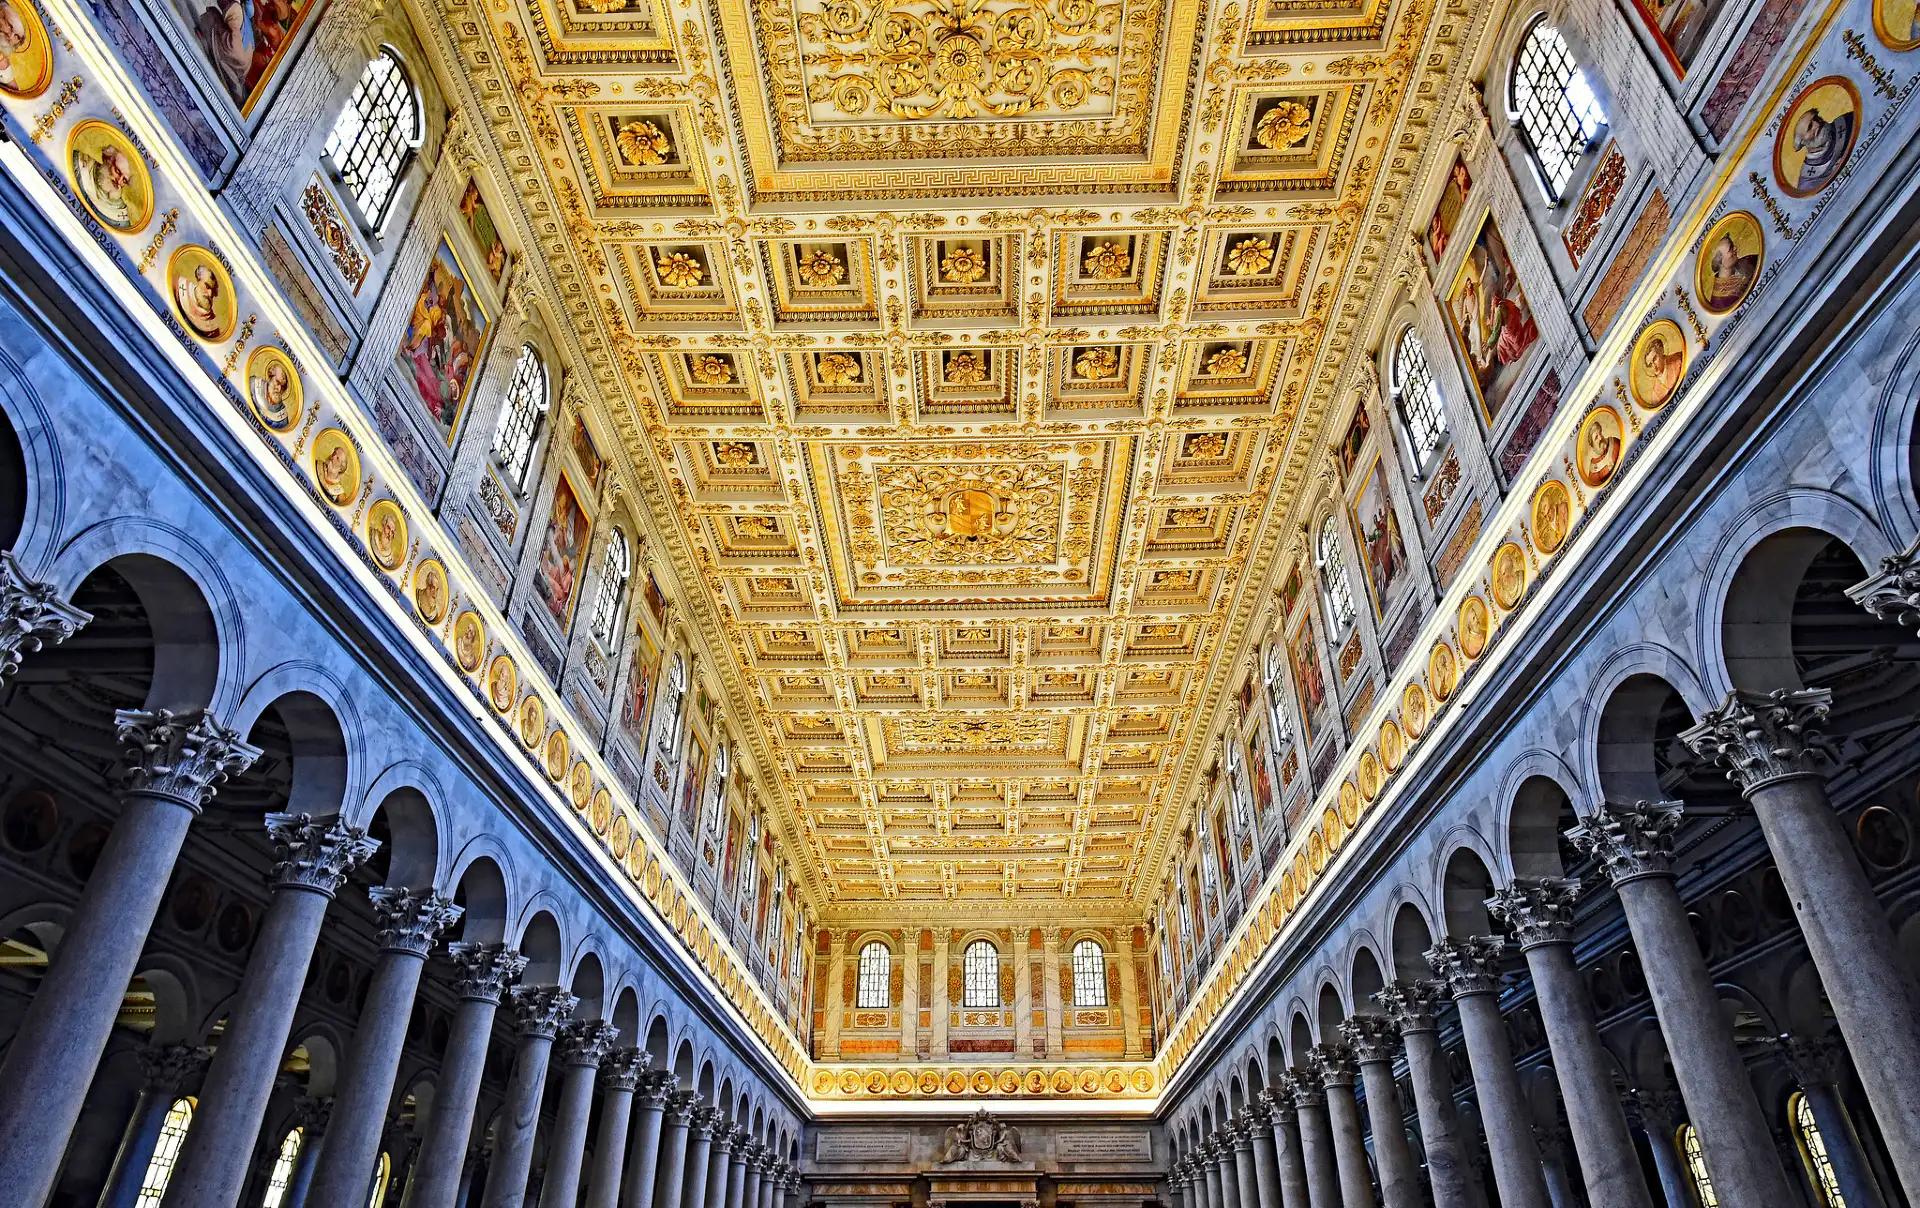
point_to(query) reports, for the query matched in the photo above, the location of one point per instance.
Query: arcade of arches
(959, 604)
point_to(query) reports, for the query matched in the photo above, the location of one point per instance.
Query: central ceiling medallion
(946, 515)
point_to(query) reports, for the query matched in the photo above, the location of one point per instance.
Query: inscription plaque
(1103, 1144)
(861, 1147)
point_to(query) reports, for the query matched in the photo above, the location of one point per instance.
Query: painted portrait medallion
(469, 642)
(1728, 262)
(600, 813)
(430, 595)
(1597, 450)
(503, 683)
(532, 721)
(387, 534)
(202, 293)
(336, 467)
(1443, 671)
(559, 750)
(1509, 575)
(1415, 709)
(1393, 745)
(1657, 363)
(1552, 516)
(580, 785)
(273, 388)
(1476, 623)
(26, 56)
(1317, 851)
(1897, 22)
(109, 176)
(1369, 775)
(1816, 136)
(620, 837)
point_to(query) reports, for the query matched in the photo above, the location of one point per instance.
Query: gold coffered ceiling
(969, 354)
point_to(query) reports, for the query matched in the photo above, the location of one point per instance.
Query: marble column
(1316, 1139)
(172, 765)
(720, 1163)
(583, 1043)
(674, 1119)
(481, 975)
(1470, 969)
(770, 1183)
(1288, 1158)
(538, 1012)
(1634, 843)
(1539, 914)
(737, 1177)
(1266, 1172)
(1554, 1141)
(1374, 1041)
(1176, 1182)
(650, 1098)
(757, 1159)
(1240, 1133)
(1338, 1074)
(1660, 1113)
(1769, 744)
(1208, 1156)
(314, 1118)
(699, 1152)
(1223, 1162)
(32, 616)
(619, 1074)
(410, 924)
(1410, 1004)
(311, 860)
(1816, 1064)
(167, 1072)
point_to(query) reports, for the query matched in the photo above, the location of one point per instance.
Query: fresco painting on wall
(1491, 318)
(640, 676)
(1898, 23)
(1679, 27)
(1377, 530)
(245, 42)
(1446, 215)
(441, 347)
(1304, 660)
(486, 236)
(557, 573)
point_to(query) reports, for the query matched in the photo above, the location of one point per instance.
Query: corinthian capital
(1371, 1038)
(1538, 909)
(654, 1088)
(679, 1106)
(32, 616)
(1279, 1102)
(411, 920)
(622, 1069)
(1334, 1064)
(183, 757)
(171, 1068)
(586, 1042)
(1305, 1087)
(483, 971)
(1470, 965)
(539, 1010)
(1894, 593)
(1410, 1003)
(315, 855)
(1761, 738)
(1630, 841)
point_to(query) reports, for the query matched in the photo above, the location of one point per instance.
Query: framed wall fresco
(445, 337)
(642, 671)
(694, 779)
(1679, 27)
(1303, 659)
(1376, 530)
(245, 41)
(1491, 319)
(556, 573)
(1446, 214)
(486, 236)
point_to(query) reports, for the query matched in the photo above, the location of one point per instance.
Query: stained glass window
(382, 1176)
(1696, 1159)
(1089, 974)
(1559, 115)
(374, 136)
(166, 1151)
(982, 968)
(1813, 1152)
(876, 974)
(283, 1168)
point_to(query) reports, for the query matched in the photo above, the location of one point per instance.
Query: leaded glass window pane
(1089, 974)
(1558, 111)
(520, 418)
(283, 1168)
(1335, 587)
(876, 973)
(1813, 1150)
(374, 134)
(166, 1151)
(1419, 397)
(1696, 1159)
(982, 969)
(616, 568)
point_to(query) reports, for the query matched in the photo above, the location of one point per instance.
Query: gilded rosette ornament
(1762, 738)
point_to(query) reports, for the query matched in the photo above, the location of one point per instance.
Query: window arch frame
(873, 981)
(1336, 582)
(523, 417)
(616, 576)
(1423, 428)
(372, 184)
(1559, 114)
(166, 1152)
(980, 975)
(1278, 685)
(1089, 960)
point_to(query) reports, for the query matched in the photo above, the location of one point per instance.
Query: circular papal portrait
(430, 595)
(1897, 22)
(1415, 710)
(1475, 624)
(387, 535)
(503, 681)
(469, 642)
(580, 785)
(336, 467)
(202, 293)
(600, 812)
(1657, 363)
(273, 388)
(1393, 744)
(110, 176)
(1509, 575)
(1816, 136)
(559, 750)
(619, 836)
(1552, 515)
(26, 56)
(1369, 776)
(1728, 262)
(1349, 802)
(1443, 671)
(1597, 450)
(532, 721)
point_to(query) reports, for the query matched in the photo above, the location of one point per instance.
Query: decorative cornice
(1538, 909)
(1763, 738)
(411, 920)
(1468, 966)
(1630, 841)
(315, 855)
(183, 757)
(1410, 1003)
(482, 972)
(32, 615)
(586, 1042)
(538, 1011)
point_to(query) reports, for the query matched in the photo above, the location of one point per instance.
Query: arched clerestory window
(1089, 974)
(375, 136)
(616, 571)
(1813, 1152)
(1417, 398)
(166, 1152)
(875, 990)
(521, 417)
(1559, 115)
(1336, 586)
(981, 966)
(1695, 1156)
(1276, 696)
(282, 1173)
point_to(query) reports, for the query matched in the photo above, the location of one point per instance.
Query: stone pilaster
(32, 616)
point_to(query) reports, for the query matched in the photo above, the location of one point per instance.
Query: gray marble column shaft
(1634, 843)
(1335, 1065)
(693, 1187)
(619, 1074)
(583, 1045)
(1229, 1176)
(672, 1161)
(1469, 968)
(174, 763)
(1770, 746)
(1374, 1039)
(1246, 1183)
(1266, 1171)
(481, 974)
(1316, 1141)
(770, 1182)
(750, 1192)
(1659, 1113)
(737, 1176)
(410, 923)
(312, 859)
(314, 1118)
(1288, 1155)
(169, 1070)
(538, 1012)
(720, 1164)
(1816, 1063)
(642, 1173)
(1450, 1170)
(1210, 1173)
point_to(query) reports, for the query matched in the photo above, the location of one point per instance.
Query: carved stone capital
(1660, 1110)
(622, 1069)
(169, 1069)
(1259, 1115)
(1240, 1133)
(725, 1135)
(1410, 1003)
(1762, 738)
(1371, 1038)
(654, 1089)
(183, 757)
(1279, 1102)
(586, 1042)
(482, 972)
(1538, 909)
(315, 855)
(702, 1121)
(1894, 593)
(1468, 966)
(1812, 1060)
(538, 1011)
(1305, 1087)
(32, 616)
(679, 1107)
(313, 1115)
(411, 920)
(1630, 841)
(1334, 1064)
